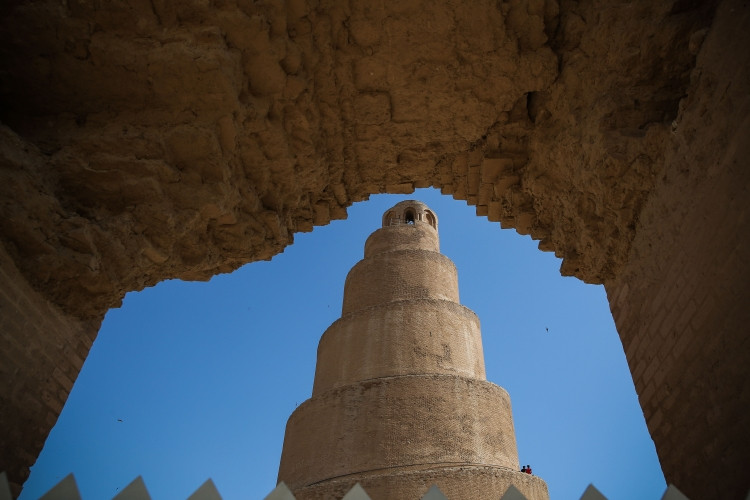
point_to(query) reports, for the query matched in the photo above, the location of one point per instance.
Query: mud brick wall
(43, 351)
(682, 304)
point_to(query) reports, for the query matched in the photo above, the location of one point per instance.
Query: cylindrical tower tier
(457, 482)
(400, 338)
(403, 237)
(400, 275)
(408, 421)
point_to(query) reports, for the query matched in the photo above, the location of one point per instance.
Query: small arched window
(409, 216)
(430, 218)
(388, 219)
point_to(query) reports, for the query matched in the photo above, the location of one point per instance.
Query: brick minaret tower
(400, 399)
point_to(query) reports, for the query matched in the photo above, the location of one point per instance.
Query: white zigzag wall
(67, 489)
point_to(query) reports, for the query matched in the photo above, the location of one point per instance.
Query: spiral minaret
(400, 399)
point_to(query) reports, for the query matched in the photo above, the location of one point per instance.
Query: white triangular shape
(281, 492)
(434, 493)
(67, 489)
(136, 490)
(591, 493)
(673, 493)
(513, 494)
(4, 487)
(207, 491)
(356, 493)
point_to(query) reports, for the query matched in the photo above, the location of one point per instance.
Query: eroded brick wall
(684, 326)
(682, 304)
(43, 351)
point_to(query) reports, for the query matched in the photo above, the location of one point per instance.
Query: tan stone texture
(168, 141)
(415, 420)
(458, 482)
(43, 349)
(400, 338)
(402, 238)
(401, 275)
(144, 141)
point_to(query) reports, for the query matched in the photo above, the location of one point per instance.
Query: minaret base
(392, 423)
(459, 482)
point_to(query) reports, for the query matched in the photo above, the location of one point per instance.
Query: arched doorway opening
(214, 373)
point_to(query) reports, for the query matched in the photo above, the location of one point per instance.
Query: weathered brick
(38, 358)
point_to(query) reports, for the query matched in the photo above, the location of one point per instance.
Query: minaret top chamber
(409, 212)
(408, 225)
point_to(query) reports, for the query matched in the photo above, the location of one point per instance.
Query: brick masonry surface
(43, 351)
(682, 304)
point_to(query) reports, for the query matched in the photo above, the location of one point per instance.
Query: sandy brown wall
(389, 340)
(682, 304)
(144, 141)
(42, 352)
(360, 427)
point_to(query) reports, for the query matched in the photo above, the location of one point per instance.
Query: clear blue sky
(205, 375)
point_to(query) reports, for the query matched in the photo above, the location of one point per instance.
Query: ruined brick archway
(141, 143)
